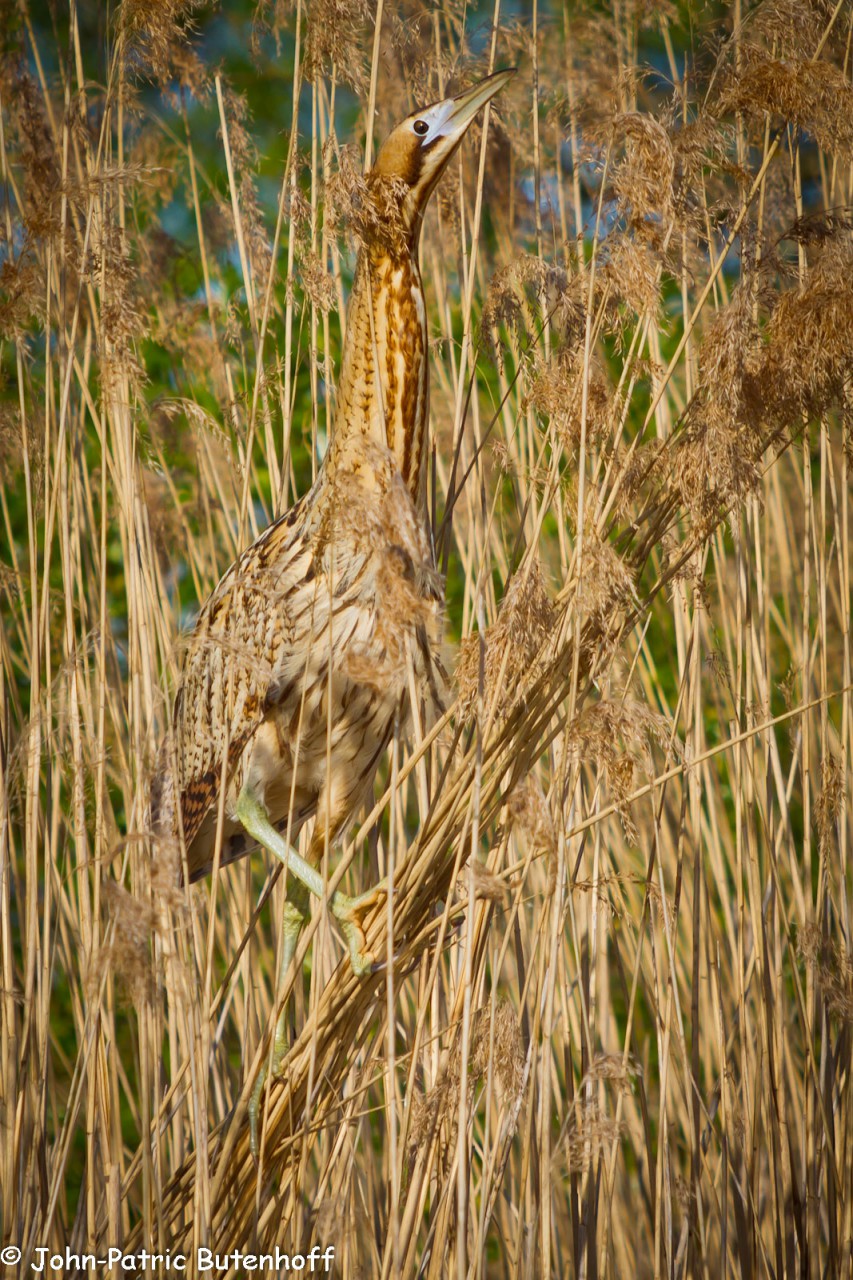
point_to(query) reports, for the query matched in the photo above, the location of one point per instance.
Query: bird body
(306, 656)
(267, 683)
(296, 667)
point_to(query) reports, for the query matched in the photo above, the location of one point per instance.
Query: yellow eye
(420, 127)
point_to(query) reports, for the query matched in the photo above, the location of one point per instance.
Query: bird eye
(420, 127)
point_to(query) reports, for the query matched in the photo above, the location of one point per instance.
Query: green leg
(296, 911)
(348, 911)
(305, 878)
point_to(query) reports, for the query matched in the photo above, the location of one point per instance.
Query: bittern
(310, 648)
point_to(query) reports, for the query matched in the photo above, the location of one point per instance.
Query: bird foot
(292, 920)
(254, 1107)
(349, 912)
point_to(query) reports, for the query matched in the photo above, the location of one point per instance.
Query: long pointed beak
(465, 106)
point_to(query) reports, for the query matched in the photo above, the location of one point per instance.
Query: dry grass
(615, 1038)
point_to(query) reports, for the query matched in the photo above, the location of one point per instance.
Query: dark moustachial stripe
(415, 162)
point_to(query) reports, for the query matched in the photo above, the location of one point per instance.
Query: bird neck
(383, 389)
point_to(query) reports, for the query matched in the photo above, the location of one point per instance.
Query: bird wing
(232, 657)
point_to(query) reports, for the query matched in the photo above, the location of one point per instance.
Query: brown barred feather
(333, 599)
(300, 662)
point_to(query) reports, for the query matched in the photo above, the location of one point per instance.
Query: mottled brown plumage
(329, 602)
(303, 605)
(303, 658)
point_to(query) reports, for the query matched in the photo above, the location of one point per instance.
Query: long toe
(279, 1053)
(371, 898)
(255, 1112)
(350, 913)
(360, 958)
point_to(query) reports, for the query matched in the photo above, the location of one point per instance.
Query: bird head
(416, 153)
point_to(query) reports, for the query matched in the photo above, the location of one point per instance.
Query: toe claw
(382, 966)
